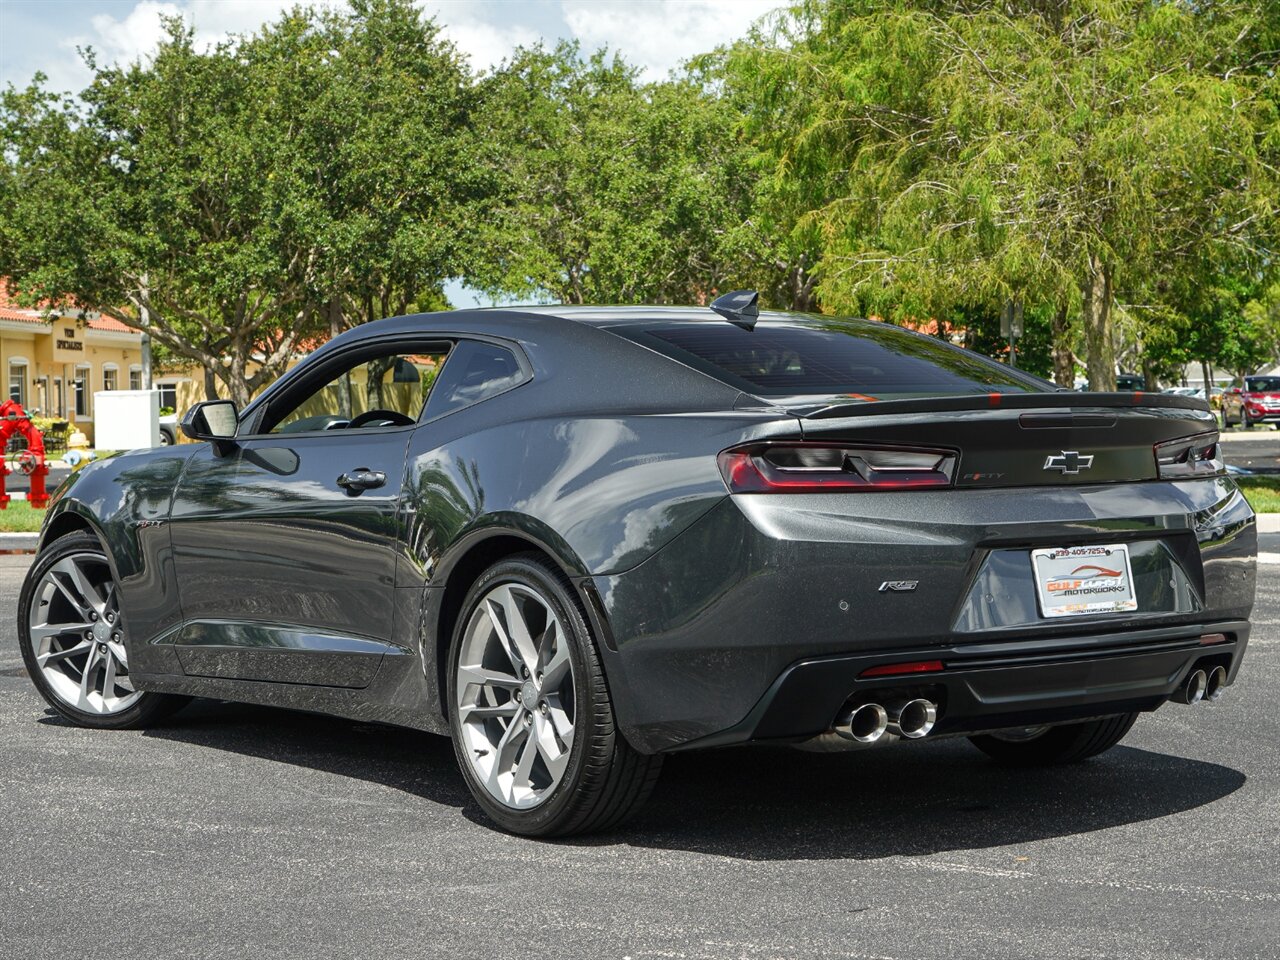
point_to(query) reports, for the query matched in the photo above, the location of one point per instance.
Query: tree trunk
(1064, 368)
(1204, 376)
(1151, 382)
(210, 382)
(233, 375)
(344, 385)
(1101, 351)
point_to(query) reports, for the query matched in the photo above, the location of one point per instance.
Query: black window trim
(254, 414)
(522, 361)
(321, 375)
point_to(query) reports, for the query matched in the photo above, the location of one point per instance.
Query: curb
(18, 542)
(1269, 523)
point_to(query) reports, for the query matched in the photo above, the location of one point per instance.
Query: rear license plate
(1072, 581)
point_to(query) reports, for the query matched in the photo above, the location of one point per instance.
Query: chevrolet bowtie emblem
(1068, 461)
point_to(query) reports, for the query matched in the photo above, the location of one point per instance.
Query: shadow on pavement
(910, 799)
(769, 803)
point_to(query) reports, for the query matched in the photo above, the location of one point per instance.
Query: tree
(953, 152)
(615, 191)
(387, 168)
(246, 196)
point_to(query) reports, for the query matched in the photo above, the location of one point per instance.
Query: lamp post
(1011, 327)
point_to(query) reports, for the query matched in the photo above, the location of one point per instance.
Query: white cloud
(136, 35)
(129, 39)
(483, 41)
(654, 35)
(658, 35)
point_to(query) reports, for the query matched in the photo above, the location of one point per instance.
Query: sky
(654, 35)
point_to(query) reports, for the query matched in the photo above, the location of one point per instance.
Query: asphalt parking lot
(247, 832)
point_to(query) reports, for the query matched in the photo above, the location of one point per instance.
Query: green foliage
(21, 517)
(250, 195)
(1262, 492)
(981, 326)
(952, 152)
(615, 191)
(1110, 164)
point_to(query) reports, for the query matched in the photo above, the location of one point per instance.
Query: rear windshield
(1262, 384)
(850, 359)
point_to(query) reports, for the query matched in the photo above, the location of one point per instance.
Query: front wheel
(1042, 746)
(74, 639)
(533, 726)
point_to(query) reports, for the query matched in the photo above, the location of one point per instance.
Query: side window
(475, 372)
(389, 389)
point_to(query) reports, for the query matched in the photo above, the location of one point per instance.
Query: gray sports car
(577, 539)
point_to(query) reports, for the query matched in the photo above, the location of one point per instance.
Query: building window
(110, 378)
(168, 395)
(135, 378)
(59, 398)
(18, 381)
(80, 389)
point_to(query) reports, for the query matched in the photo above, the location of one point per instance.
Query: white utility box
(126, 419)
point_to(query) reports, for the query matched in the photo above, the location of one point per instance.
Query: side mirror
(214, 420)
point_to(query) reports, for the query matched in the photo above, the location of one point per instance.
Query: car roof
(614, 315)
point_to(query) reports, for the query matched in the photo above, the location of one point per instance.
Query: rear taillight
(1198, 456)
(817, 467)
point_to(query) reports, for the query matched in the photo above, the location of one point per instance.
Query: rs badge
(899, 586)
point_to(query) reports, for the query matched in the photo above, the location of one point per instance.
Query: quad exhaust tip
(912, 719)
(868, 722)
(864, 724)
(1215, 683)
(1192, 691)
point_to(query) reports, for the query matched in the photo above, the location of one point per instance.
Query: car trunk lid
(1017, 440)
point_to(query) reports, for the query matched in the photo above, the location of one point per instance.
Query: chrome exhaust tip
(865, 723)
(1192, 691)
(913, 719)
(1215, 684)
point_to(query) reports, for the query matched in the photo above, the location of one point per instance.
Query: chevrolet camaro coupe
(577, 539)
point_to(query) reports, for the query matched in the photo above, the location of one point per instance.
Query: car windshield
(849, 360)
(1262, 384)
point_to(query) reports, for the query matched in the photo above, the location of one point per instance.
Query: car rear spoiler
(1001, 401)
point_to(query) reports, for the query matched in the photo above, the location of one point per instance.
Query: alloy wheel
(515, 695)
(78, 636)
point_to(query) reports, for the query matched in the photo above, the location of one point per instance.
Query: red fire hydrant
(14, 420)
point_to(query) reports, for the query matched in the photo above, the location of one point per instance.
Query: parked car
(1257, 402)
(604, 535)
(1130, 382)
(168, 430)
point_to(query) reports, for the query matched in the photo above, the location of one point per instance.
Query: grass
(20, 517)
(1262, 492)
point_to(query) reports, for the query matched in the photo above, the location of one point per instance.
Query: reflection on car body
(578, 539)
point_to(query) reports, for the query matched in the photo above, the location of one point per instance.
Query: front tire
(1069, 743)
(74, 639)
(532, 722)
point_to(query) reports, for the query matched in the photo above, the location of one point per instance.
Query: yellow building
(55, 365)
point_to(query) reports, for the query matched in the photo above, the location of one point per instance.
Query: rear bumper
(985, 688)
(697, 639)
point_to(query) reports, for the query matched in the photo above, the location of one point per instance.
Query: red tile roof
(11, 311)
(110, 324)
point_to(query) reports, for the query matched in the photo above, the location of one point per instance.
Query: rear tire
(69, 593)
(1069, 743)
(532, 722)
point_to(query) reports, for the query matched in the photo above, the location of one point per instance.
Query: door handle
(361, 478)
